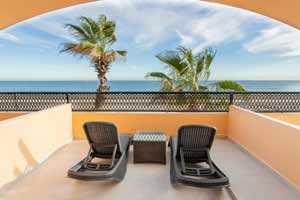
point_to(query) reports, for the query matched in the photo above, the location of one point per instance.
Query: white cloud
(52, 26)
(150, 23)
(186, 40)
(20, 37)
(195, 24)
(279, 38)
(211, 29)
(8, 36)
(26, 33)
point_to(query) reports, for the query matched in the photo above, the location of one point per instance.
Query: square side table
(149, 147)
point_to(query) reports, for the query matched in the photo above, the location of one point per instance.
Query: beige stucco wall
(274, 142)
(28, 140)
(293, 118)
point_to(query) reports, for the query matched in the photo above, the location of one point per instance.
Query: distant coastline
(131, 85)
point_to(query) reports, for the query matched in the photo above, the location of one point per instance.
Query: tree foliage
(94, 41)
(190, 72)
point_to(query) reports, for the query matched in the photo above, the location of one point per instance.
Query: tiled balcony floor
(249, 179)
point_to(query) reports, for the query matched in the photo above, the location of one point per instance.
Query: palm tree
(188, 71)
(95, 39)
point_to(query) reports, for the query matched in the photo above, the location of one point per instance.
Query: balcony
(249, 179)
(258, 151)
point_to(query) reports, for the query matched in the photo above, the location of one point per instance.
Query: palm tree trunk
(102, 69)
(102, 83)
(100, 97)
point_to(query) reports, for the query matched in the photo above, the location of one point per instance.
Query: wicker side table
(149, 147)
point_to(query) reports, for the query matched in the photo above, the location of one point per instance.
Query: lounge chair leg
(88, 158)
(172, 178)
(231, 193)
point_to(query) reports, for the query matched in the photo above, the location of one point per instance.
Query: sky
(249, 46)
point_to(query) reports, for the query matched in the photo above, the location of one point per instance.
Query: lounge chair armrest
(92, 166)
(199, 171)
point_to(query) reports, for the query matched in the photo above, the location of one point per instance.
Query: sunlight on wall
(273, 142)
(28, 140)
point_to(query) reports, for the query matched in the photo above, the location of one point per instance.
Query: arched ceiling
(14, 11)
(286, 11)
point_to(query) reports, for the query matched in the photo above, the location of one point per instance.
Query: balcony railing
(152, 101)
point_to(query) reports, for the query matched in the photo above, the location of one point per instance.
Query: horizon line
(65, 80)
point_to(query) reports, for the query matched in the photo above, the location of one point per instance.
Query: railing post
(68, 99)
(15, 101)
(231, 99)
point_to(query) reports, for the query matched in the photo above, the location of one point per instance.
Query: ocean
(91, 86)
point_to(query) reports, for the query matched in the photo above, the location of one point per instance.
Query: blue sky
(250, 46)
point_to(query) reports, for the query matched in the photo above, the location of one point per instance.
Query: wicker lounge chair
(105, 143)
(190, 158)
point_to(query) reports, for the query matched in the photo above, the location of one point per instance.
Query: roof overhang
(14, 11)
(286, 11)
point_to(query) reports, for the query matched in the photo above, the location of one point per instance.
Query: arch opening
(13, 11)
(242, 38)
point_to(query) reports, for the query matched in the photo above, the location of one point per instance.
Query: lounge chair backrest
(195, 137)
(102, 133)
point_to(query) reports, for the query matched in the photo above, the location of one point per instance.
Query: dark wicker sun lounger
(190, 158)
(105, 143)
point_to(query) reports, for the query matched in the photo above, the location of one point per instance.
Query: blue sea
(91, 86)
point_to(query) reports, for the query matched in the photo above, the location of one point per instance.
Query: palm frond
(90, 27)
(229, 86)
(107, 29)
(167, 83)
(102, 19)
(173, 60)
(204, 61)
(92, 23)
(187, 55)
(203, 88)
(206, 74)
(200, 60)
(210, 54)
(97, 52)
(121, 53)
(77, 32)
(76, 49)
(159, 75)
